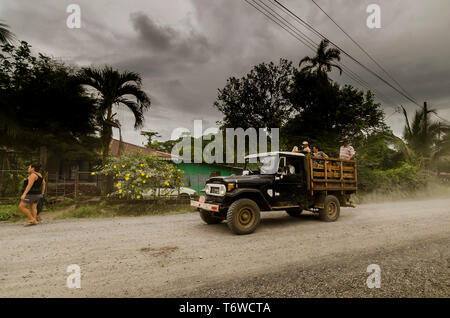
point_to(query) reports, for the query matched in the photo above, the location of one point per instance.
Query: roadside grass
(10, 212)
(107, 210)
(96, 209)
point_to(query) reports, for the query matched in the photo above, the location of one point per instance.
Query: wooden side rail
(332, 174)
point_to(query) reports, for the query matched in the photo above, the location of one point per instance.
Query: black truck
(278, 181)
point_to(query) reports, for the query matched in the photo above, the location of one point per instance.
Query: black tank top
(37, 186)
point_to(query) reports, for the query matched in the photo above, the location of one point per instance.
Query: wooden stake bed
(331, 174)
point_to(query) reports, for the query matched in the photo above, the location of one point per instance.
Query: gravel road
(178, 255)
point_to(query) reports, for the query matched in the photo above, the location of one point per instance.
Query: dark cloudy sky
(186, 49)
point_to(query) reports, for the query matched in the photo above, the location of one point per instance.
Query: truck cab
(272, 181)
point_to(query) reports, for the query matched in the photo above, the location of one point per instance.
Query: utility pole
(425, 144)
(425, 123)
(438, 147)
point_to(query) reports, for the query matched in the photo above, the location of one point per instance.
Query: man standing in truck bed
(346, 152)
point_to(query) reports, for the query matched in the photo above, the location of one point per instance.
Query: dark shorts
(32, 198)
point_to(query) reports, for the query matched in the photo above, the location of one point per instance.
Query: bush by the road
(406, 178)
(9, 212)
(136, 173)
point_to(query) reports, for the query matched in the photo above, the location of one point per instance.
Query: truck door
(290, 183)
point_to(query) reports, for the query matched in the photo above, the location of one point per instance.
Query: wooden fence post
(76, 184)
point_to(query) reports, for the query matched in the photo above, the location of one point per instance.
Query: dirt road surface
(179, 255)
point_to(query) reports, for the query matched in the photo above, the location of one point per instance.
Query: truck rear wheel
(208, 218)
(294, 212)
(243, 216)
(331, 210)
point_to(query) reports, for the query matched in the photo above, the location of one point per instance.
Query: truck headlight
(215, 189)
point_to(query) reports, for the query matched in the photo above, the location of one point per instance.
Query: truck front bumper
(205, 206)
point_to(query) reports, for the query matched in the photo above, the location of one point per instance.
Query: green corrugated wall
(196, 174)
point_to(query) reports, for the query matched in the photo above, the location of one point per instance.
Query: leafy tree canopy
(258, 99)
(42, 104)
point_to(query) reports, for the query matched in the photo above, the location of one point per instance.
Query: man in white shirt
(346, 152)
(305, 148)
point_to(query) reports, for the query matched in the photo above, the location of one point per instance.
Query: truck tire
(208, 218)
(331, 210)
(243, 216)
(294, 212)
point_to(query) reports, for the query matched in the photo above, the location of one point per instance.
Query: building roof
(274, 153)
(128, 148)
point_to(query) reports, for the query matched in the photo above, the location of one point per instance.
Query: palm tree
(6, 36)
(421, 135)
(323, 61)
(114, 89)
(424, 142)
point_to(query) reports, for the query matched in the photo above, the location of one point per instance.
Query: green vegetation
(11, 184)
(36, 94)
(108, 209)
(307, 105)
(136, 173)
(164, 146)
(10, 212)
(303, 102)
(99, 209)
(115, 88)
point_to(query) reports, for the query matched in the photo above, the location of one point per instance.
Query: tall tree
(426, 140)
(259, 99)
(326, 112)
(6, 36)
(421, 134)
(114, 89)
(324, 59)
(150, 135)
(43, 107)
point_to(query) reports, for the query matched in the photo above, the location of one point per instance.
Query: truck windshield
(264, 165)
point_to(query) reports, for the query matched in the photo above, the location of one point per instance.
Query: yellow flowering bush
(136, 174)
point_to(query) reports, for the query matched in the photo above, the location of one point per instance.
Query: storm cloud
(186, 49)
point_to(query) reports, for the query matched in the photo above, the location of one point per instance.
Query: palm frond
(306, 59)
(6, 36)
(336, 66)
(131, 89)
(403, 147)
(136, 109)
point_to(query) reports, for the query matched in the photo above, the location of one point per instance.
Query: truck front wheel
(331, 210)
(208, 218)
(243, 216)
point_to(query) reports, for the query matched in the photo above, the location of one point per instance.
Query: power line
(307, 41)
(347, 54)
(283, 26)
(362, 49)
(311, 44)
(441, 117)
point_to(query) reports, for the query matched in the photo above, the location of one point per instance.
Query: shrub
(11, 183)
(9, 212)
(407, 178)
(137, 173)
